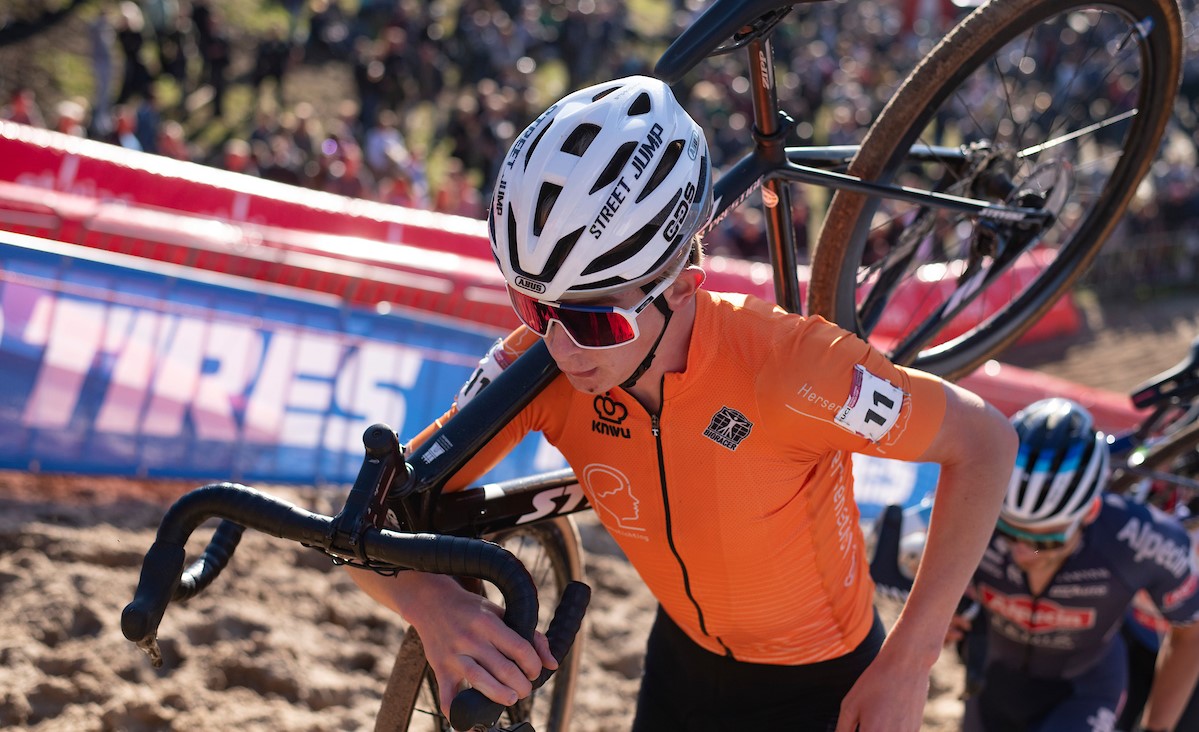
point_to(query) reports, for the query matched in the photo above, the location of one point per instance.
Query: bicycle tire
(1161, 457)
(941, 98)
(551, 551)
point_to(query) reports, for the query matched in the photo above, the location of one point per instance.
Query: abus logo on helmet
(531, 285)
(693, 146)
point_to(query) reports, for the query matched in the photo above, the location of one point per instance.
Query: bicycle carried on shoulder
(989, 161)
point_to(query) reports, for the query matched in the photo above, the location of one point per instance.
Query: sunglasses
(589, 326)
(1044, 542)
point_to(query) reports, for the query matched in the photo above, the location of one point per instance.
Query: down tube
(448, 449)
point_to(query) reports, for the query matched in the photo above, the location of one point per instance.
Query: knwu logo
(610, 414)
(728, 428)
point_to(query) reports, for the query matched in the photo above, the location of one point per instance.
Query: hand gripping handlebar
(163, 575)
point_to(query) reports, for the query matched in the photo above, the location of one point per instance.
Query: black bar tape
(160, 572)
(163, 565)
(568, 618)
(470, 708)
(215, 558)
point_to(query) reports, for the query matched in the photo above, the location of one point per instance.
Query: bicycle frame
(770, 164)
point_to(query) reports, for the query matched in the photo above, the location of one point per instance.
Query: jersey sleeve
(501, 354)
(826, 390)
(1163, 552)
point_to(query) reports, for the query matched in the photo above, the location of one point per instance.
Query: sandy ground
(284, 642)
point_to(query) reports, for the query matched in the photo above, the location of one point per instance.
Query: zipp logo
(531, 285)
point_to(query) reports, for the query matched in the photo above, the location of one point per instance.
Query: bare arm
(976, 448)
(465, 639)
(1174, 678)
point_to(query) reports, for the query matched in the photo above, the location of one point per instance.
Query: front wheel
(1056, 105)
(551, 551)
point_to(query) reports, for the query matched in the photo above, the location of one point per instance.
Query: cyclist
(1059, 577)
(712, 434)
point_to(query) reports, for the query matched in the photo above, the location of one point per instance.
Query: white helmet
(605, 190)
(1061, 465)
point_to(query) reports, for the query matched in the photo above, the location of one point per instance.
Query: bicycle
(986, 203)
(1160, 465)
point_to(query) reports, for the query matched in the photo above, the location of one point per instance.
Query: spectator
(164, 18)
(370, 79)
(305, 131)
(384, 149)
(125, 133)
(457, 194)
(149, 122)
(271, 62)
(201, 20)
(102, 39)
(216, 60)
(130, 26)
(398, 190)
(71, 116)
(237, 157)
(22, 108)
(265, 127)
(171, 141)
(328, 32)
(283, 162)
(346, 176)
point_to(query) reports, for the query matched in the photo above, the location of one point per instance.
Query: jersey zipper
(656, 428)
(1036, 600)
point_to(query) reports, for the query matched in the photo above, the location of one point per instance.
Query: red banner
(86, 192)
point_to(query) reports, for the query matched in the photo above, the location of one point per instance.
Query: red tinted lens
(596, 330)
(591, 329)
(531, 312)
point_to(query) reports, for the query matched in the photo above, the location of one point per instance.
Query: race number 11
(873, 405)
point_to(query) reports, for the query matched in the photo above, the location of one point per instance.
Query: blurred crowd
(468, 73)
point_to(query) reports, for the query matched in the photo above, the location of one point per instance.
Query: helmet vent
(641, 105)
(546, 198)
(631, 246)
(604, 93)
(615, 165)
(562, 248)
(533, 145)
(580, 139)
(669, 157)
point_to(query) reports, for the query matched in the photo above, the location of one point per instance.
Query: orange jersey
(735, 503)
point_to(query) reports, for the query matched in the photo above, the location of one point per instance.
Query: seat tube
(770, 144)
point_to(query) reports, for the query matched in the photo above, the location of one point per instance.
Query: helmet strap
(630, 382)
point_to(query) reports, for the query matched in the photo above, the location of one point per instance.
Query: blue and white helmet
(604, 191)
(1062, 465)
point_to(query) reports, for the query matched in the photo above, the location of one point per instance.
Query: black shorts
(687, 688)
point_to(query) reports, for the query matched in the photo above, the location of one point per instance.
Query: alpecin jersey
(735, 503)
(1068, 628)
